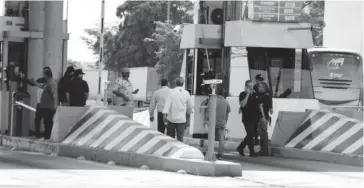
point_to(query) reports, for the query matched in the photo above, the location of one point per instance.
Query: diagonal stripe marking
(75, 134)
(325, 134)
(343, 137)
(136, 139)
(98, 128)
(356, 145)
(308, 131)
(122, 136)
(111, 131)
(153, 142)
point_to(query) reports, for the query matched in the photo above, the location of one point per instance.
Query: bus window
(277, 65)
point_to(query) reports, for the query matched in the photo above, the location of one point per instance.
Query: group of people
(255, 107)
(174, 107)
(71, 90)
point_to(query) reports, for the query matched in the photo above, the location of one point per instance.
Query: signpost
(275, 11)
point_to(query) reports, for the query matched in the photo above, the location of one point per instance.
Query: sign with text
(275, 11)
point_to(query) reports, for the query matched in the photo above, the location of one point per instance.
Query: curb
(195, 167)
(352, 160)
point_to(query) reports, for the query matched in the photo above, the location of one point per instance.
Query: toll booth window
(286, 71)
(207, 69)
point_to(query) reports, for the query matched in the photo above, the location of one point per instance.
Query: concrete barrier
(106, 129)
(191, 166)
(142, 117)
(328, 132)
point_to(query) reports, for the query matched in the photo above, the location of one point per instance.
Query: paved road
(32, 169)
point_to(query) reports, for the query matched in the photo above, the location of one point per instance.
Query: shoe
(253, 155)
(241, 153)
(219, 156)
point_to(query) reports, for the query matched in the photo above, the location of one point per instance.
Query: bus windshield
(337, 66)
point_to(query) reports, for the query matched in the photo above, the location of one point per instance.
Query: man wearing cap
(123, 89)
(78, 90)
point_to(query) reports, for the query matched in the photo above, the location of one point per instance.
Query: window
(286, 71)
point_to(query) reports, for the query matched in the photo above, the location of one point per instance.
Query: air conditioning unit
(214, 12)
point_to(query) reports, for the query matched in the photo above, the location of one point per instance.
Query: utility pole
(168, 11)
(101, 49)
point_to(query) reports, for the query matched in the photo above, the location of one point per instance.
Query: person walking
(78, 90)
(259, 79)
(176, 108)
(158, 100)
(249, 108)
(123, 89)
(48, 103)
(63, 85)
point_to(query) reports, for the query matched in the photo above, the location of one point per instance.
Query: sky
(84, 14)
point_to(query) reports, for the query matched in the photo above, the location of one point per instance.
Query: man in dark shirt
(265, 108)
(78, 90)
(63, 84)
(250, 116)
(259, 79)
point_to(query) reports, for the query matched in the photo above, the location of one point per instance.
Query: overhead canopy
(268, 34)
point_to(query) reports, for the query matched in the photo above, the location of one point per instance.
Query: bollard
(212, 119)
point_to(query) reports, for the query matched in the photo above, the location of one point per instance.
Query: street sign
(275, 11)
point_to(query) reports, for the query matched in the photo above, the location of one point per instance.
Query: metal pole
(12, 114)
(101, 48)
(168, 11)
(212, 119)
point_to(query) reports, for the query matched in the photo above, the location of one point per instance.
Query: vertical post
(212, 119)
(101, 48)
(168, 11)
(11, 133)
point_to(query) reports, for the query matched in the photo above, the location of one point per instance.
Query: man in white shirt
(177, 106)
(158, 100)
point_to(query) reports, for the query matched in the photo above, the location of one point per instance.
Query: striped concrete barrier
(142, 117)
(328, 132)
(104, 128)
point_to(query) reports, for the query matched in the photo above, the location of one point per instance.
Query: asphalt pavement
(21, 169)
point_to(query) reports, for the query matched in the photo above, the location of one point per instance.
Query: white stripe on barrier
(326, 133)
(108, 133)
(153, 142)
(310, 115)
(82, 128)
(98, 128)
(91, 108)
(168, 146)
(356, 145)
(142, 117)
(122, 136)
(308, 131)
(343, 137)
(136, 139)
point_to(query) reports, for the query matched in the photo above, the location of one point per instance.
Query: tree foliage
(126, 47)
(169, 55)
(313, 12)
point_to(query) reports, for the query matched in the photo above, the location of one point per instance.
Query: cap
(79, 71)
(259, 77)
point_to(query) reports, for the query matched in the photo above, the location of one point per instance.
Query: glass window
(330, 66)
(287, 76)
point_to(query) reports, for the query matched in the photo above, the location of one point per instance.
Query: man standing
(249, 108)
(64, 84)
(123, 89)
(177, 106)
(265, 107)
(48, 103)
(78, 90)
(222, 115)
(158, 100)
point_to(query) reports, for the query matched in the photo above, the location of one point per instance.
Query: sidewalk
(293, 164)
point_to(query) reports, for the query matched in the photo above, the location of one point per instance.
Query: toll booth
(238, 48)
(25, 27)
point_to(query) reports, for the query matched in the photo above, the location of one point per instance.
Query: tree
(127, 47)
(169, 55)
(313, 12)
